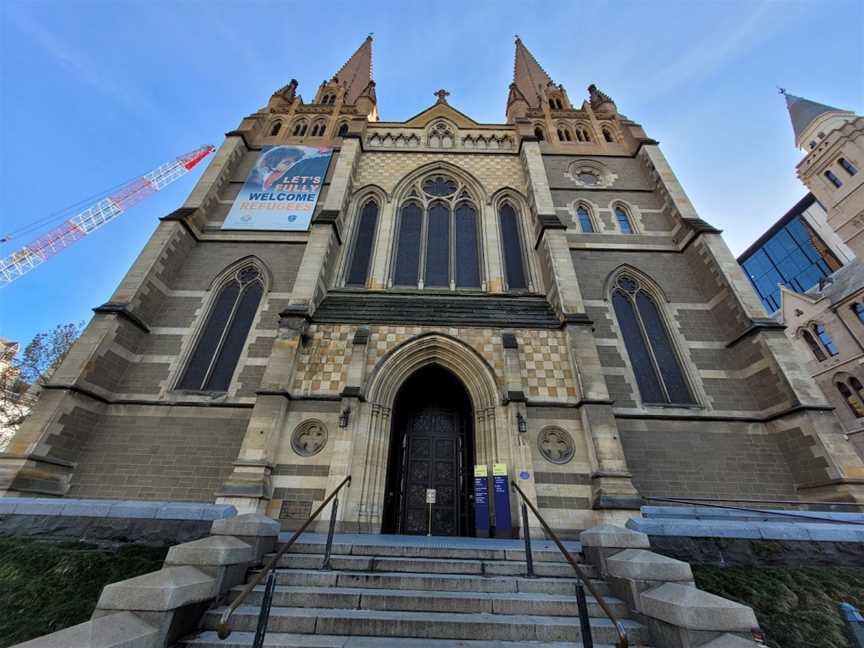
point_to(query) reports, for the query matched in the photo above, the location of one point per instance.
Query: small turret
(601, 103)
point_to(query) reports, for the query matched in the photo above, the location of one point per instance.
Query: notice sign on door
(430, 495)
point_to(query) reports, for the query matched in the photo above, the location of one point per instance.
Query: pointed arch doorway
(431, 447)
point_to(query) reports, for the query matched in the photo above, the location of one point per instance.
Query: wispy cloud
(716, 49)
(84, 68)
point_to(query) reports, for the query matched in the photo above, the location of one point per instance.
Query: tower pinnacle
(528, 75)
(356, 73)
(805, 113)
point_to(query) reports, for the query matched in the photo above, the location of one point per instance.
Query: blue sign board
(481, 502)
(503, 522)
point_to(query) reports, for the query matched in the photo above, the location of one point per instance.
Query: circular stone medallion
(556, 445)
(309, 438)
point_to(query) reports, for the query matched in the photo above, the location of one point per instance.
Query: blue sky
(93, 93)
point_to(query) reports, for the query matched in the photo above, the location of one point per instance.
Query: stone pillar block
(171, 600)
(601, 542)
(682, 616)
(117, 630)
(225, 558)
(634, 571)
(257, 530)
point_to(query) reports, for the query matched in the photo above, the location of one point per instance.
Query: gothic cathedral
(535, 300)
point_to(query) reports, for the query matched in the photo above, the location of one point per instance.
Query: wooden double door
(431, 449)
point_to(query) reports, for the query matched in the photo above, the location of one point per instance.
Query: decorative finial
(371, 34)
(517, 37)
(442, 95)
(781, 90)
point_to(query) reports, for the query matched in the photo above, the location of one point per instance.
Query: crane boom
(77, 227)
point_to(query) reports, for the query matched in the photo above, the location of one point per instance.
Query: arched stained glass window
(825, 339)
(652, 355)
(623, 219)
(853, 399)
(358, 271)
(467, 247)
(815, 349)
(584, 219)
(408, 250)
(211, 365)
(514, 264)
(438, 246)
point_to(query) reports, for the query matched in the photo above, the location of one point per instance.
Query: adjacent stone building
(536, 297)
(833, 142)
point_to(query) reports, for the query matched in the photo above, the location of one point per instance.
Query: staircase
(398, 591)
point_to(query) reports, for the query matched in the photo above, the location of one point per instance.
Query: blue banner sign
(481, 501)
(281, 190)
(503, 522)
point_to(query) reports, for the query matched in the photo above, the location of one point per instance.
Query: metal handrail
(709, 503)
(222, 628)
(623, 642)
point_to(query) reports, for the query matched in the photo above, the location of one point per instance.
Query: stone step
(425, 625)
(209, 639)
(429, 565)
(541, 552)
(426, 601)
(431, 582)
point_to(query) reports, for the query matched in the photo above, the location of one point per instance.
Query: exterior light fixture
(344, 417)
(521, 423)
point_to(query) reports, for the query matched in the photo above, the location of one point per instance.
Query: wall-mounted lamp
(344, 417)
(521, 423)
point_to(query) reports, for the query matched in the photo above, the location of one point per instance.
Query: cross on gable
(442, 95)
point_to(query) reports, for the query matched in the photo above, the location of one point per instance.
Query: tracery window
(819, 341)
(584, 217)
(652, 354)
(833, 179)
(852, 391)
(582, 134)
(299, 129)
(318, 129)
(364, 240)
(274, 130)
(848, 167)
(564, 134)
(211, 365)
(511, 243)
(438, 237)
(623, 219)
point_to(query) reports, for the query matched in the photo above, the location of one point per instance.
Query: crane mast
(104, 211)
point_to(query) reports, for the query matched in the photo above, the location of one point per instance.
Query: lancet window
(212, 363)
(655, 362)
(364, 241)
(817, 338)
(623, 219)
(511, 243)
(438, 237)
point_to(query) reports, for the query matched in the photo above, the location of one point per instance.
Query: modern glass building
(790, 253)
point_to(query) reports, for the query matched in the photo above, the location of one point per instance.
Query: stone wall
(158, 453)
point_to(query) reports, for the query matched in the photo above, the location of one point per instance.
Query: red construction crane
(107, 209)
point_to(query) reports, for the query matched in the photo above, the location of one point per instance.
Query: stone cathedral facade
(537, 296)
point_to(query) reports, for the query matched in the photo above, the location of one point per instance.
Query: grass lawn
(796, 607)
(45, 586)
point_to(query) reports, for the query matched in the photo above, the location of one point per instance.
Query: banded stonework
(571, 315)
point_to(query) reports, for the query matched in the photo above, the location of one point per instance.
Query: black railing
(584, 619)
(222, 628)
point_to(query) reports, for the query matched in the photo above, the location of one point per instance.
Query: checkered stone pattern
(322, 367)
(546, 371)
(486, 341)
(492, 171)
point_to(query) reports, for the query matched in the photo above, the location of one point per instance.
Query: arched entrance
(431, 447)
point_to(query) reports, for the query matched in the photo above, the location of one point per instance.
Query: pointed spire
(528, 75)
(802, 112)
(357, 71)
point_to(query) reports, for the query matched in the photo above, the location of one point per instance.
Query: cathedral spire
(356, 73)
(528, 75)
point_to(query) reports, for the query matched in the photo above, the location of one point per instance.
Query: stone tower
(536, 298)
(833, 143)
